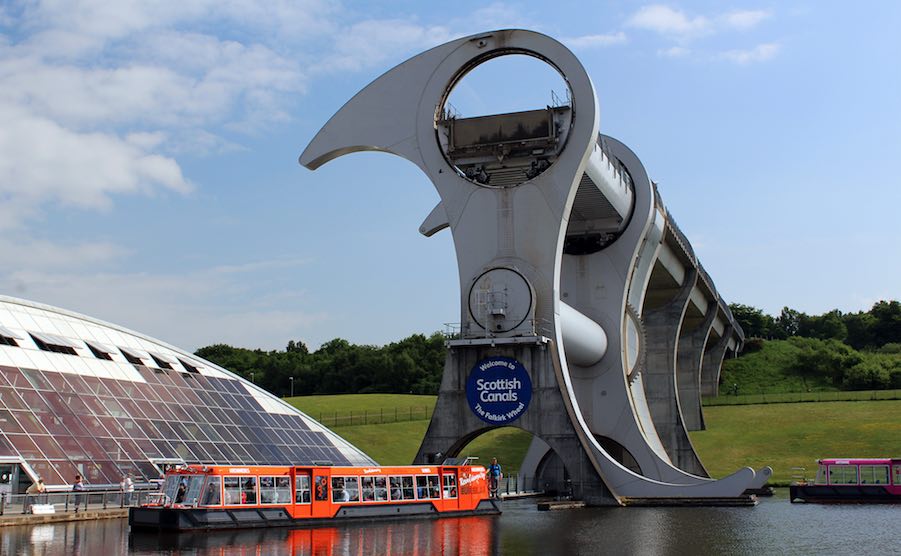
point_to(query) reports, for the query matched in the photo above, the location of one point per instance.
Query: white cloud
(44, 162)
(674, 52)
(99, 99)
(744, 19)
(371, 42)
(189, 309)
(681, 26)
(596, 41)
(668, 21)
(759, 53)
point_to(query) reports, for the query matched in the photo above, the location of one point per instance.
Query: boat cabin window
(842, 474)
(381, 488)
(367, 487)
(275, 490)
(874, 474)
(450, 485)
(170, 487)
(240, 490)
(896, 474)
(212, 492)
(321, 488)
(402, 488)
(821, 475)
(345, 489)
(302, 490)
(188, 489)
(427, 487)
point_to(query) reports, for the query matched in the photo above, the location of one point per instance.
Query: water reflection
(448, 536)
(774, 527)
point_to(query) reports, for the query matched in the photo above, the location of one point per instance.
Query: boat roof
(857, 461)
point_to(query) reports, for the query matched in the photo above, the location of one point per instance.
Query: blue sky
(149, 176)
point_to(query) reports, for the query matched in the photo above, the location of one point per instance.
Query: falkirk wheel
(586, 318)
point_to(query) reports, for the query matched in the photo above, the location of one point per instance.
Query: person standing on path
(495, 474)
(78, 489)
(33, 493)
(128, 489)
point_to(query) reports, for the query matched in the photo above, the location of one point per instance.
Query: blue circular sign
(498, 390)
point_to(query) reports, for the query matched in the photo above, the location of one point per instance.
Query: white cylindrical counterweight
(584, 341)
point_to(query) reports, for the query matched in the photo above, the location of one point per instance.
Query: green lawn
(314, 406)
(782, 435)
(397, 443)
(796, 435)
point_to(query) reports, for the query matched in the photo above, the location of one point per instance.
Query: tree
(754, 322)
(886, 327)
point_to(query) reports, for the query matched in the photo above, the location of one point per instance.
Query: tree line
(850, 351)
(411, 366)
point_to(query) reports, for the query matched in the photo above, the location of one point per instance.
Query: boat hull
(843, 494)
(194, 519)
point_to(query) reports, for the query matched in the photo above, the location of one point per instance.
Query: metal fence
(74, 501)
(798, 397)
(375, 416)
(519, 484)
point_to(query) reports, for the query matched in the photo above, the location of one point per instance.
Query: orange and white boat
(224, 497)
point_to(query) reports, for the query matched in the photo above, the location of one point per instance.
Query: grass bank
(396, 443)
(790, 435)
(783, 435)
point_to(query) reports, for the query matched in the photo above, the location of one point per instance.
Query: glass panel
(434, 487)
(352, 489)
(6, 448)
(45, 470)
(842, 474)
(302, 489)
(212, 492)
(58, 382)
(36, 379)
(880, 474)
(24, 446)
(49, 447)
(866, 474)
(396, 491)
(249, 490)
(92, 448)
(71, 447)
(321, 488)
(8, 423)
(9, 399)
(66, 470)
(34, 401)
(30, 423)
(14, 376)
(450, 486)
(896, 474)
(381, 489)
(409, 490)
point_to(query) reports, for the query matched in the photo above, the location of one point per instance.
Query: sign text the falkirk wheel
(498, 390)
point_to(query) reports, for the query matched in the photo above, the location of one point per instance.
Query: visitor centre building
(83, 397)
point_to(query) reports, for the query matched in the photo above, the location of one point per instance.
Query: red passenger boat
(852, 481)
(225, 497)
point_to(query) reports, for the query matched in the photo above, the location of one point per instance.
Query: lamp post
(291, 378)
(251, 378)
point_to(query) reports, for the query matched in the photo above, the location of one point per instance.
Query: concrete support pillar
(454, 425)
(688, 370)
(662, 329)
(713, 364)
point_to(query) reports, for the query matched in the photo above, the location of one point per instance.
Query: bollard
(2, 502)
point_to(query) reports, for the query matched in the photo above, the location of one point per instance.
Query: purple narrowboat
(852, 481)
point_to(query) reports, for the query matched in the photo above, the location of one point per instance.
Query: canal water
(773, 527)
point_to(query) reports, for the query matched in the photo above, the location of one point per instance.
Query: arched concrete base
(454, 425)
